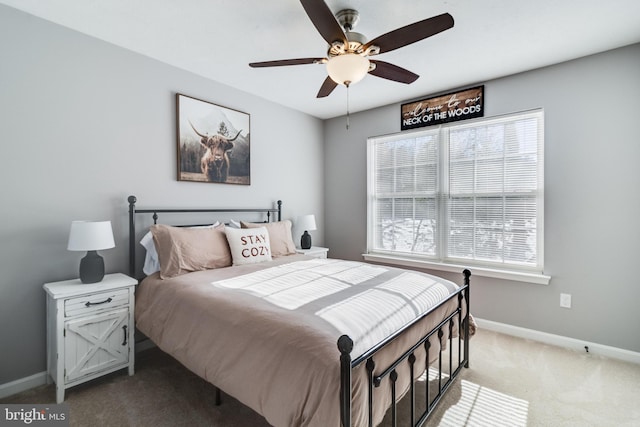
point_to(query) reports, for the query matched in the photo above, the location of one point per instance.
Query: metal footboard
(405, 364)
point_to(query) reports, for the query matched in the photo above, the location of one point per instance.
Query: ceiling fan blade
(412, 33)
(393, 72)
(282, 62)
(324, 21)
(327, 87)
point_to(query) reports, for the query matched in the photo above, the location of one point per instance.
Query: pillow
(183, 250)
(151, 263)
(248, 245)
(234, 224)
(279, 236)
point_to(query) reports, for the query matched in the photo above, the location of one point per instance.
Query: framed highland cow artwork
(213, 142)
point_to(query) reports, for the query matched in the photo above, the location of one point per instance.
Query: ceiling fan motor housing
(348, 19)
(355, 41)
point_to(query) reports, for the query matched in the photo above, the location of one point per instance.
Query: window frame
(502, 269)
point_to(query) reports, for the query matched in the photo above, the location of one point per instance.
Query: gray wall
(592, 201)
(84, 124)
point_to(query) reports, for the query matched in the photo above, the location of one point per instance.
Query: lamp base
(305, 240)
(91, 268)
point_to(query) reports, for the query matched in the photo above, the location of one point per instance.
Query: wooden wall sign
(450, 107)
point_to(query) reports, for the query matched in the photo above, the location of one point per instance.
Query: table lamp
(91, 236)
(306, 222)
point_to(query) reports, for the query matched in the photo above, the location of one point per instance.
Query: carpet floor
(511, 382)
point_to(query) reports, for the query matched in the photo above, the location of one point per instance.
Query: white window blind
(469, 193)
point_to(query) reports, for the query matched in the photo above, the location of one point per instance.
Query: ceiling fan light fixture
(347, 69)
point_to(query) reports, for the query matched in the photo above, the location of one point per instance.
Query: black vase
(305, 241)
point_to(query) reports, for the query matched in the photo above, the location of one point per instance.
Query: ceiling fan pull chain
(347, 85)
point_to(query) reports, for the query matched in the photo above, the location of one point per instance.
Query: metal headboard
(133, 211)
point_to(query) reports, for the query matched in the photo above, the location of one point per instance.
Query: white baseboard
(35, 380)
(22, 384)
(560, 341)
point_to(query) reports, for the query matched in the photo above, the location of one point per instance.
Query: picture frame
(213, 142)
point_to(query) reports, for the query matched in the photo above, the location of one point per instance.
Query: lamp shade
(307, 222)
(90, 236)
(348, 68)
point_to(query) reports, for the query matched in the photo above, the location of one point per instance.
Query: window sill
(535, 278)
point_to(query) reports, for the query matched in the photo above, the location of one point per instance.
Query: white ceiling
(218, 38)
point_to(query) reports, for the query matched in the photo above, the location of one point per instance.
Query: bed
(302, 341)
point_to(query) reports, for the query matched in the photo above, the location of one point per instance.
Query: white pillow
(248, 245)
(234, 224)
(279, 236)
(151, 261)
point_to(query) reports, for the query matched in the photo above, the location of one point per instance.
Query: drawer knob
(89, 304)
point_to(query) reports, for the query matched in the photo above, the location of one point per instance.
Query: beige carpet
(512, 382)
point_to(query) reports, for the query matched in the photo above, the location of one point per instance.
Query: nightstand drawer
(95, 302)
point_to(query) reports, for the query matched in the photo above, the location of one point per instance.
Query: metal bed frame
(404, 364)
(132, 221)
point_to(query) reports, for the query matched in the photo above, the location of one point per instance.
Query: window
(467, 193)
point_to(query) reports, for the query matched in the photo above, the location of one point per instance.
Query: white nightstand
(90, 329)
(314, 251)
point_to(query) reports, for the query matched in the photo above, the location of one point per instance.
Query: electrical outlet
(565, 300)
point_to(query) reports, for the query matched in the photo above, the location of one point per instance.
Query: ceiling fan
(348, 55)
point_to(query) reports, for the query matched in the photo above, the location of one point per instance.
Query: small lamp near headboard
(91, 236)
(306, 223)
